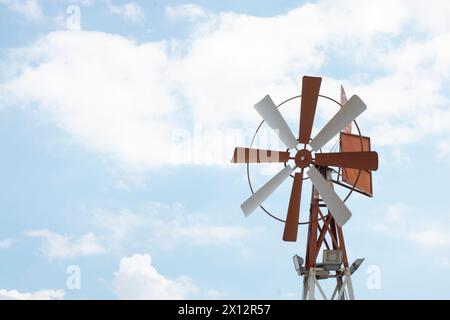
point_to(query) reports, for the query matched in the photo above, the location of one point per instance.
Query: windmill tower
(349, 168)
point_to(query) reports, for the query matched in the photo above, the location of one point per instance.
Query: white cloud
(402, 222)
(168, 225)
(443, 149)
(136, 102)
(138, 279)
(400, 157)
(129, 11)
(116, 103)
(55, 245)
(5, 243)
(130, 181)
(29, 9)
(431, 238)
(118, 226)
(38, 295)
(189, 11)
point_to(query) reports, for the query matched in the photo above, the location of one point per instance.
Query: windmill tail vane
(350, 168)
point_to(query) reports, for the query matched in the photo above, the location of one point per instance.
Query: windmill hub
(303, 158)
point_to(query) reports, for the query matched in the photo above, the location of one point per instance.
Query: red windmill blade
(249, 155)
(293, 214)
(310, 95)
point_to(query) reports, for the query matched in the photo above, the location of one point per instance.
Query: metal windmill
(350, 168)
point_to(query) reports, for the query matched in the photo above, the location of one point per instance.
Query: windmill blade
(355, 160)
(249, 155)
(352, 109)
(270, 113)
(291, 225)
(310, 94)
(338, 209)
(266, 190)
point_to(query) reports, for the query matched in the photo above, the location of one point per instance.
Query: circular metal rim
(253, 140)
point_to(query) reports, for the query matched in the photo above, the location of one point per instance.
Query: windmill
(350, 168)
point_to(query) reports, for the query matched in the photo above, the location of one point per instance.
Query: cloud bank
(138, 279)
(140, 103)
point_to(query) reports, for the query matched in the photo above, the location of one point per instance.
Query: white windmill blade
(269, 112)
(266, 190)
(338, 209)
(349, 111)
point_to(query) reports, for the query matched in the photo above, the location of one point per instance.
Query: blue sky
(117, 137)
